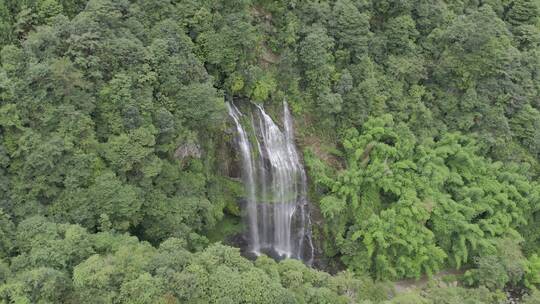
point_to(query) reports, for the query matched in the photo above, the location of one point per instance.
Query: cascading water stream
(249, 177)
(275, 182)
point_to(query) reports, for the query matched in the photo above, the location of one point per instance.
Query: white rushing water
(249, 177)
(275, 181)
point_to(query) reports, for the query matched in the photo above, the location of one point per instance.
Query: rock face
(188, 150)
(277, 209)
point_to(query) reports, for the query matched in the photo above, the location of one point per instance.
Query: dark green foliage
(6, 234)
(92, 117)
(351, 29)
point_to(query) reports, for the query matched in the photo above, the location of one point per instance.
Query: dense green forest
(419, 123)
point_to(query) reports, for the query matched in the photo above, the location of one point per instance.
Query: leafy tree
(522, 12)
(351, 28)
(400, 34)
(315, 53)
(6, 234)
(532, 269)
(40, 285)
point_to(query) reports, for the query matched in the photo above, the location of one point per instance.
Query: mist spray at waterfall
(276, 187)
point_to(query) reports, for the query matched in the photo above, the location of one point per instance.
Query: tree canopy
(419, 122)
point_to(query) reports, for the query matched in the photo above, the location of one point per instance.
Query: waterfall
(275, 181)
(249, 178)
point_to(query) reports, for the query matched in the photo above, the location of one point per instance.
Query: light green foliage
(532, 269)
(216, 275)
(39, 285)
(533, 298)
(44, 244)
(391, 242)
(402, 208)
(62, 263)
(457, 295)
(100, 277)
(143, 290)
(499, 267)
(263, 88)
